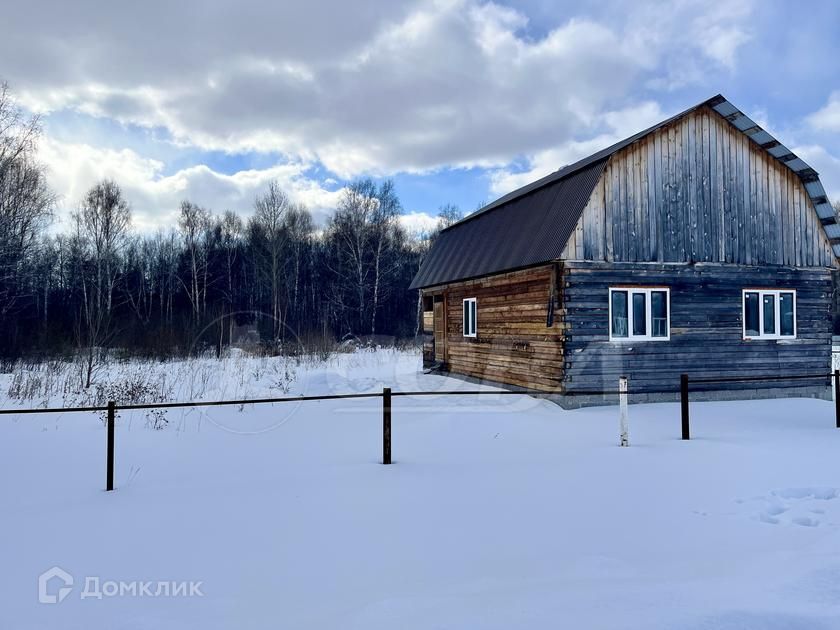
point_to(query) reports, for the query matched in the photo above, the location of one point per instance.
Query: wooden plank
(626, 225)
(650, 182)
(720, 173)
(610, 195)
(640, 203)
(691, 218)
(710, 239)
(671, 208)
(660, 168)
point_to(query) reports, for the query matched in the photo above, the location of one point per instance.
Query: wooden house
(701, 245)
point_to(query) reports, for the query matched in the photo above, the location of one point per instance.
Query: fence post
(837, 398)
(109, 481)
(622, 403)
(386, 425)
(686, 434)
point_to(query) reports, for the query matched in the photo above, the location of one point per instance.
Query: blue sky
(458, 101)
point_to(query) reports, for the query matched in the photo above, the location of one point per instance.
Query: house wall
(699, 190)
(706, 326)
(513, 344)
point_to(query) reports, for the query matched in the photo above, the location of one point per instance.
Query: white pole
(622, 403)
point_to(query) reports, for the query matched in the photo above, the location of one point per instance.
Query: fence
(387, 396)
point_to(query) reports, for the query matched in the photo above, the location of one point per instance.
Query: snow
(498, 512)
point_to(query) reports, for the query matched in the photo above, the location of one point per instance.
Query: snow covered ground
(499, 512)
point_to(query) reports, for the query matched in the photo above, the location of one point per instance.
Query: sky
(457, 101)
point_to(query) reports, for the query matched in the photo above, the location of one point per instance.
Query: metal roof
(531, 225)
(527, 230)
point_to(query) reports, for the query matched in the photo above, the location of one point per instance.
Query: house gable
(701, 190)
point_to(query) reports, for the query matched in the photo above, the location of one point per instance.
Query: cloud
(377, 88)
(620, 124)
(828, 117)
(154, 197)
(417, 223)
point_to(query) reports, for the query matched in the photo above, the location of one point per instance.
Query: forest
(264, 275)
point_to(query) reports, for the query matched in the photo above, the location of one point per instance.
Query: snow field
(499, 512)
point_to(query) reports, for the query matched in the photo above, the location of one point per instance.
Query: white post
(622, 403)
(835, 358)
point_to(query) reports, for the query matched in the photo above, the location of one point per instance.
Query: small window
(769, 314)
(638, 314)
(470, 319)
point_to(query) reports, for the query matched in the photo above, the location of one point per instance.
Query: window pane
(639, 314)
(473, 327)
(769, 314)
(751, 314)
(619, 313)
(786, 313)
(659, 314)
(466, 318)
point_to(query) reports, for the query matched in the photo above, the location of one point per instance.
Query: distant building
(701, 245)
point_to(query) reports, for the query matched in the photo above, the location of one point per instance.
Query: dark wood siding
(514, 344)
(699, 190)
(706, 327)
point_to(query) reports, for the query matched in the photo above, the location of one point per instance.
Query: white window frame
(648, 313)
(474, 306)
(777, 302)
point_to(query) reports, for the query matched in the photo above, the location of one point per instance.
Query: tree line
(272, 277)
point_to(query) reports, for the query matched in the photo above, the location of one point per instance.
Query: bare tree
(194, 222)
(101, 231)
(349, 231)
(384, 233)
(299, 232)
(270, 210)
(26, 201)
(448, 214)
(231, 231)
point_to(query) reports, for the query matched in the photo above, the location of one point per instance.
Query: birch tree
(101, 231)
(194, 223)
(270, 210)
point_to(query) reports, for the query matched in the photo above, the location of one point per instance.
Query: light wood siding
(699, 191)
(706, 325)
(513, 344)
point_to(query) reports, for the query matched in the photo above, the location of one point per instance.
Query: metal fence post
(622, 403)
(109, 481)
(386, 425)
(686, 434)
(837, 398)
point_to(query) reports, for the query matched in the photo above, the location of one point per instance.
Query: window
(769, 314)
(639, 314)
(470, 322)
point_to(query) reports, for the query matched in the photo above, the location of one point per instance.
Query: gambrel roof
(531, 225)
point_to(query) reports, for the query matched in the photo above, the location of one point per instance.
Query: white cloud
(378, 87)
(621, 123)
(828, 117)
(418, 223)
(154, 197)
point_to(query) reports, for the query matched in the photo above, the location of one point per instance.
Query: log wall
(514, 344)
(706, 325)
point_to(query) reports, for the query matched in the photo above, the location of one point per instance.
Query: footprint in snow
(798, 506)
